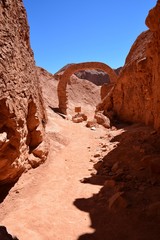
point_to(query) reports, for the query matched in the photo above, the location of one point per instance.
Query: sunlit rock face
(136, 96)
(22, 116)
(73, 68)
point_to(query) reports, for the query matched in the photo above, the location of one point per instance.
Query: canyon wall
(136, 96)
(22, 116)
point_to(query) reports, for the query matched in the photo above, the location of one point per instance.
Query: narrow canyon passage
(64, 199)
(40, 206)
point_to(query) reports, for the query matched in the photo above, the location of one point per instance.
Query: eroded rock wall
(22, 116)
(136, 96)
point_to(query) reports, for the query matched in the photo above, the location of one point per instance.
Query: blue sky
(72, 31)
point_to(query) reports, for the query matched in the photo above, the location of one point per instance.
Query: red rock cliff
(136, 96)
(21, 107)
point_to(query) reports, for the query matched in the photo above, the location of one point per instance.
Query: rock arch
(64, 78)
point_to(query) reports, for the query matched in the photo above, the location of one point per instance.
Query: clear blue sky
(72, 31)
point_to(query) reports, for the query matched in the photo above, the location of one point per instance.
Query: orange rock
(63, 79)
(135, 97)
(110, 183)
(98, 164)
(22, 113)
(117, 201)
(102, 119)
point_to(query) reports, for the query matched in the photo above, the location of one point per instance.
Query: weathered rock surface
(79, 93)
(22, 116)
(102, 119)
(71, 69)
(95, 76)
(136, 95)
(79, 117)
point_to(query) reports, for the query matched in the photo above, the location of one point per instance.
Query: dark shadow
(4, 190)
(128, 205)
(4, 235)
(57, 110)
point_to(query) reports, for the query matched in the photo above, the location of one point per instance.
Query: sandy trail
(40, 206)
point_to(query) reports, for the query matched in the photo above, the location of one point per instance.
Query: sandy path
(40, 206)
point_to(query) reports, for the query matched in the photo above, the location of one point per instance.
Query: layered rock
(136, 97)
(22, 116)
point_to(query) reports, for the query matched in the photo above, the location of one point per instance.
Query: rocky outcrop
(65, 76)
(22, 116)
(136, 97)
(96, 76)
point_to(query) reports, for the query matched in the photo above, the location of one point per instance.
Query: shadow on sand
(4, 190)
(128, 205)
(4, 235)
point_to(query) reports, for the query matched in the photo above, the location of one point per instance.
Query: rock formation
(22, 116)
(64, 78)
(136, 97)
(96, 76)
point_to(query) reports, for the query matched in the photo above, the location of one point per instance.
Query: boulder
(102, 119)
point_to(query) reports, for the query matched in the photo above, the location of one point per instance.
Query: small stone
(110, 173)
(120, 171)
(97, 155)
(109, 183)
(113, 128)
(91, 123)
(93, 128)
(115, 167)
(79, 117)
(104, 146)
(128, 177)
(153, 132)
(3, 138)
(92, 160)
(117, 202)
(104, 150)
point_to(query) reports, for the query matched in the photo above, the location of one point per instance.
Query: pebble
(92, 160)
(97, 155)
(128, 177)
(109, 183)
(115, 167)
(110, 173)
